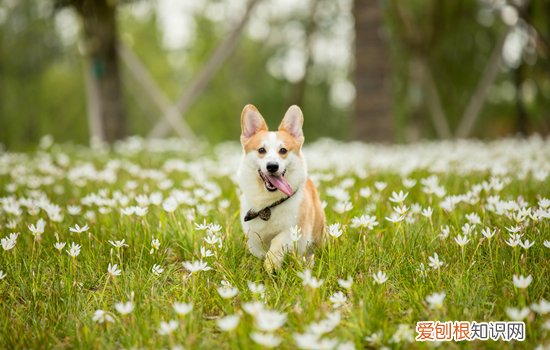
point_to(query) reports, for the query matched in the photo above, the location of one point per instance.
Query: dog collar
(265, 213)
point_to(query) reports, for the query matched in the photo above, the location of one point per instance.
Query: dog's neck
(265, 213)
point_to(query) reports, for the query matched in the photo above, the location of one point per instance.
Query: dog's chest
(283, 217)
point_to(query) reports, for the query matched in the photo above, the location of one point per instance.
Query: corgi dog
(276, 194)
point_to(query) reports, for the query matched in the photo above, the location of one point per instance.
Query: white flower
(516, 314)
(380, 277)
(295, 233)
(435, 263)
(375, 339)
(416, 208)
(542, 308)
(409, 183)
(398, 197)
(113, 270)
(267, 340)
(59, 245)
(324, 326)
(206, 253)
(202, 227)
(544, 203)
(462, 240)
(39, 228)
(342, 207)
(196, 266)
(445, 230)
(513, 242)
(435, 300)
(227, 292)
(256, 288)
(526, 244)
(546, 244)
(166, 328)
(182, 308)
(253, 308)
(365, 192)
(157, 269)
(338, 299)
(395, 218)
(335, 230)
(118, 244)
(467, 229)
(10, 241)
(170, 204)
(101, 316)
(427, 212)
(78, 229)
(212, 239)
(74, 250)
(401, 210)
(2, 275)
(380, 185)
(309, 280)
(128, 211)
(487, 233)
(309, 341)
(142, 200)
(155, 245)
(404, 332)
(514, 229)
(347, 283)
(364, 221)
(228, 323)
(124, 308)
(473, 218)
(141, 211)
(522, 282)
(269, 320)
(74, 210)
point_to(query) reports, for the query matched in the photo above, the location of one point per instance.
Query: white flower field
(141, 247)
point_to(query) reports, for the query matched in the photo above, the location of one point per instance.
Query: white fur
(271, 238)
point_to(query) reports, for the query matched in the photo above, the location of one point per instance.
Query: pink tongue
(281, 183)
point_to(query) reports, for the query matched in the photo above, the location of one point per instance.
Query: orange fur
(290, 142)
(254, 142)
(312, 215)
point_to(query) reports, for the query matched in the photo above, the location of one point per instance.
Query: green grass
(48, 299)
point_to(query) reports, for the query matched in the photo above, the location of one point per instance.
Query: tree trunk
(100, 30)
(373, 120)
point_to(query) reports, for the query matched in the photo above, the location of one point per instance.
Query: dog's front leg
(280, 244)
(255, 245)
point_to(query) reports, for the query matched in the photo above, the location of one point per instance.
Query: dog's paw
(268, 265)
(272, 263)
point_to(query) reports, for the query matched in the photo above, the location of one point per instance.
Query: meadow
(140, 246)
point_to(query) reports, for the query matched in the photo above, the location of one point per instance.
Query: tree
(372, 120)
(105, 98)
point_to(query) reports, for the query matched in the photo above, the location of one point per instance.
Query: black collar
(265, 213)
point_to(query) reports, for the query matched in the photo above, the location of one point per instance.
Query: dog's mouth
(273, 183)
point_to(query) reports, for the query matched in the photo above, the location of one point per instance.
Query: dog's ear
(293, 122)
(251, 122)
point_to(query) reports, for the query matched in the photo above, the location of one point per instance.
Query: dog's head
(276, 156)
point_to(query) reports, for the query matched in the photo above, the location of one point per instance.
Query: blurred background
(377, 71)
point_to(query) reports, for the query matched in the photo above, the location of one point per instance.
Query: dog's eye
(261, 150)
(283, 151)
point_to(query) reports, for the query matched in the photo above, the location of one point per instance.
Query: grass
(48, 298)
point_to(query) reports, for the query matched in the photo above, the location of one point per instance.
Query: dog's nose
(272, 167)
